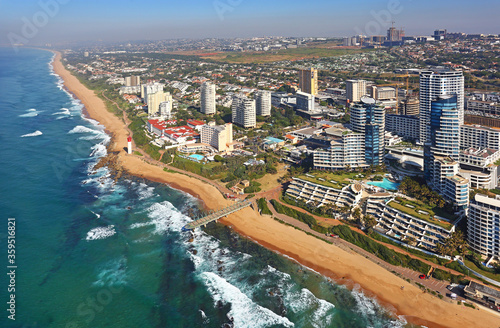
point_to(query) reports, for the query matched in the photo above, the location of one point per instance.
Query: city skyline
(62, 21)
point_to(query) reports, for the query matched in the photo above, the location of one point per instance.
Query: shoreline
(346, 268)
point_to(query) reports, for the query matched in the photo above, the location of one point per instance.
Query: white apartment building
(434, 84)
(263, 102)
(208, 98)
(483, 225)
(243, 111)
(347, 149)
(150, 88)
(477, 136)
(218, 136)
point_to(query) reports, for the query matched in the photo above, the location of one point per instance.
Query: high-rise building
(243, 111)
(150, 88)
(347, 148)
(355, 89)
(483, 226)
(444, 134)
(308, 80)
(208, 98)
(155, 99)
(409, 106)
(263, 102)
(305, 101)
(368, 118)
(166, 108)
(218, 136)
(434, 84)
(131, 81)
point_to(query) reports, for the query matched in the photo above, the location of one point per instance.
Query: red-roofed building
(292, 139)
(175, 134)
(195, 124)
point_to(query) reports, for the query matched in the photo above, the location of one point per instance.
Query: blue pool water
(386, 184)
(197, 157)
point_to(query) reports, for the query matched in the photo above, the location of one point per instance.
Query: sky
(36, 22)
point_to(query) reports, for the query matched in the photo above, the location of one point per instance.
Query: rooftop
(474, 286)
(418, 210)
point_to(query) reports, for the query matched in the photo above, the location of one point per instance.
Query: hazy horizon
(69, 21)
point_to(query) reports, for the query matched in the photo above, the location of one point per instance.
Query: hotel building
(218, 136)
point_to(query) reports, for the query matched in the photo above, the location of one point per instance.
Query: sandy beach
(348, 268)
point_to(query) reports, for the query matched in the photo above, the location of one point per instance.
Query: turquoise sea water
(94, 252)
(386, 184)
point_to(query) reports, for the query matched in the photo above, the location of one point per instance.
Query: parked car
(422, 276)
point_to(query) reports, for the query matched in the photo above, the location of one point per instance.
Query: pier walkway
(214, 216)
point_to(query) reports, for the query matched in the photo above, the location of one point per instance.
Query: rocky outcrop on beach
(112, 162)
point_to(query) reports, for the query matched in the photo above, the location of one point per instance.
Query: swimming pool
(197, 157)
(386, 184)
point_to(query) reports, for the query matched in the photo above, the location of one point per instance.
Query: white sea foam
(32, 112)
(34, 134)
(204, 317)
(113, 273)
(101, 232)
(82, 129)
(244, 311)
(63, 111)
(164, 217)
(144, 191)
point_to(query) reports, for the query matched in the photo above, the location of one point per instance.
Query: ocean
(95, 252)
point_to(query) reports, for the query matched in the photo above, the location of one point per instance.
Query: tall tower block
(129, 145)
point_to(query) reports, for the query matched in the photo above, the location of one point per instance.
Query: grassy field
(270, 181)
(278, 55)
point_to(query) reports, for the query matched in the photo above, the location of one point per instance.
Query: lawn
(421, 206)
(328, 177)
(474, 267)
